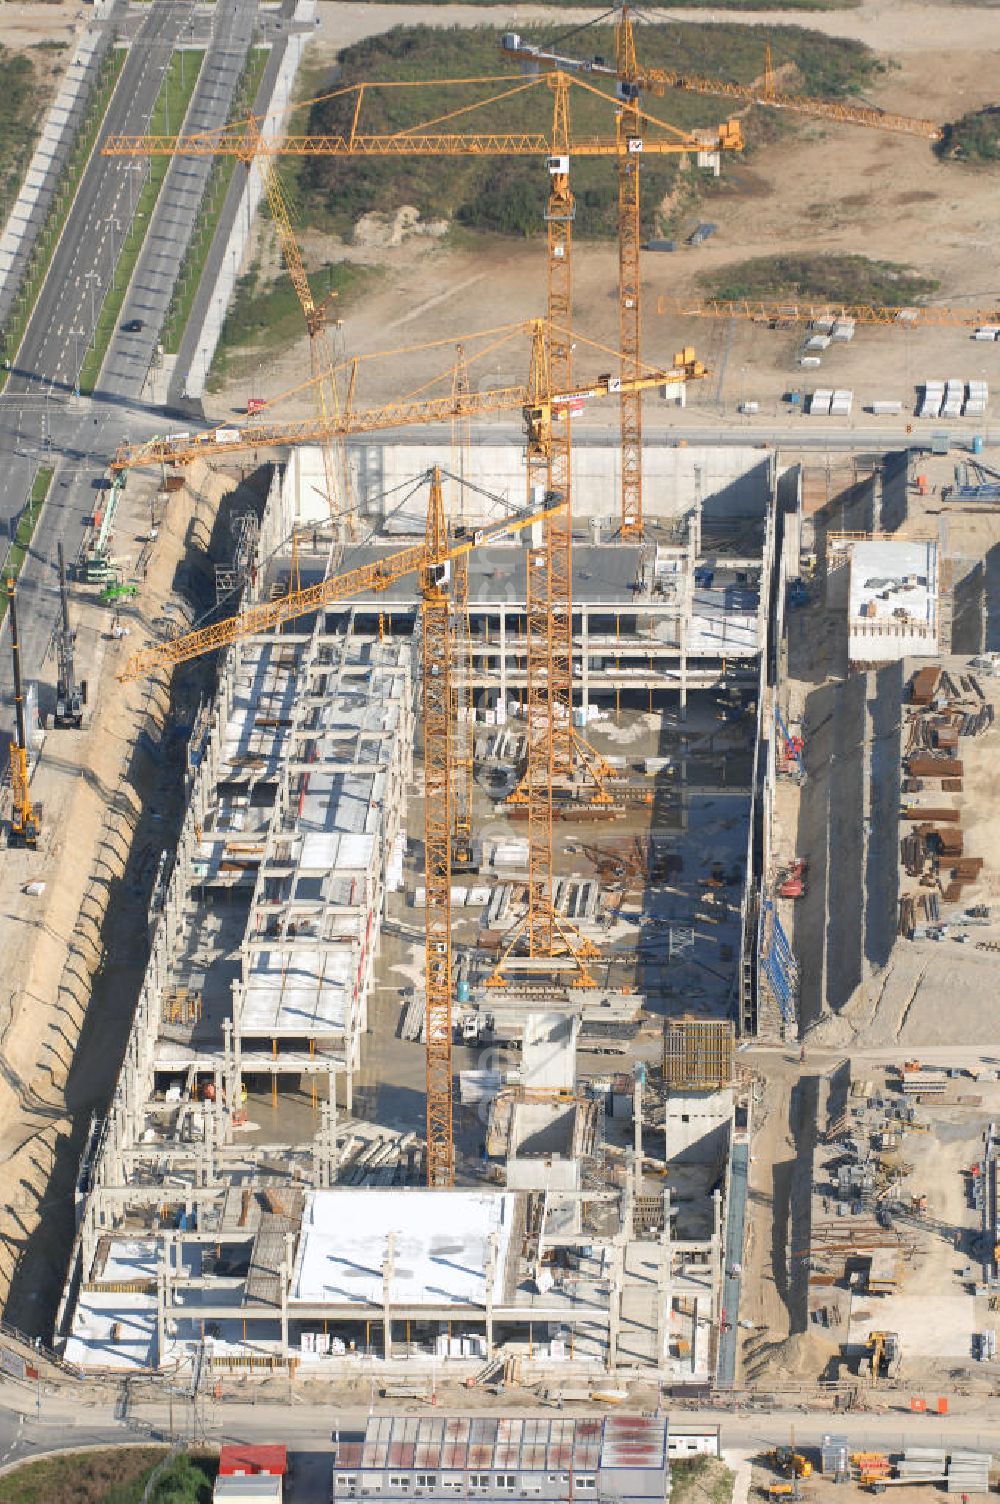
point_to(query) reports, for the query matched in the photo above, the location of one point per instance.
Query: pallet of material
(935, 767)
(951, 785)
(968, 868)
(931, 814)
(923, 685)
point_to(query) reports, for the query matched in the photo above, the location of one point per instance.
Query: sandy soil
(906, 27)
(25, 26)
(64, 949)
(843, 189)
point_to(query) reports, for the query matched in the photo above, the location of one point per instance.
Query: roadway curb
(97, 1446)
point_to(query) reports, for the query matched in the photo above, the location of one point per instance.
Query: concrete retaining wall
(229, 259)
(735, 482)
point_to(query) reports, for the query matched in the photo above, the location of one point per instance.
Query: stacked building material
(969, 1473)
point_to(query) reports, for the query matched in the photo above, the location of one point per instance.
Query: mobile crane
(71, 696)
(25, 821)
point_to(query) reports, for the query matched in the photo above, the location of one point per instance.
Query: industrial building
(487, 1457)
(255, 1199)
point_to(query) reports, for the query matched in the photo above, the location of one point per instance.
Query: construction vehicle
(780, 1490)
(790, 1462)
(98, 560)
(25, 818)
(790, 748)
(433, 560)
(115, 590)
(884, 1355)
(792, 879)
(71, 696)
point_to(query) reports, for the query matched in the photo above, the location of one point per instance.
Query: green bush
(974, 138)
(835, 279)
(19, 122)
(506, 195)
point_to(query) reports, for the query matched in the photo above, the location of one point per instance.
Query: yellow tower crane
(657, 80)
(463, 759)
(631, 80)
(780, 311)
(315, 316)
(637, 132)
(432, 559)
(544, 934)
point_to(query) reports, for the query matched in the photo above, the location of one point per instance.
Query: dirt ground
(105, 798)
(28, 26)
(844, 189)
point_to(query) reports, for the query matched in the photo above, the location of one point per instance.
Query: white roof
(440, 1246)
(247, 1488)
(117, 1328)
(892, 609)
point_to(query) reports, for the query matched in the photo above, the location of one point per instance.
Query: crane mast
(558, 642)
(463, 733)
(629, 131)
(435, 610)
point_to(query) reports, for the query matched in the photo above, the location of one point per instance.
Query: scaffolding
(698, 1053)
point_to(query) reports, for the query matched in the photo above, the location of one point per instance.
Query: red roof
(236, 1460)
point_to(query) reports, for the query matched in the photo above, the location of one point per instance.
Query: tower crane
(538, 403)
(656, 80)
(548, 703)
(779, 311)
(24, 817)
(630, 81)
(432, 560)
(637, 132)
(315, 316)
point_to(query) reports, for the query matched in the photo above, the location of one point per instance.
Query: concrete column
(663, 1284)
(283, 1285)
(503, 652)
(161, 1302)
(615, 1300)
(491, 1269)
(388, 1269)
(637, 1129)
(584, 659)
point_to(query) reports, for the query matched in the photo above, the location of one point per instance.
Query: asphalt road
(42, 421)
(33, 1421)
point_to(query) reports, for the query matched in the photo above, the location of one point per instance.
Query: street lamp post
(76, 335)
(113, 225)
(92, 278)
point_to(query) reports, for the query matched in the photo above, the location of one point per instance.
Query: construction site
(570, 830)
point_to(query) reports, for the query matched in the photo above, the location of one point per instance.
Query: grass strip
(168, 113)
(115, 1475)
(196, 255)
(48, 239)
(21, 542)
(267, 317)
